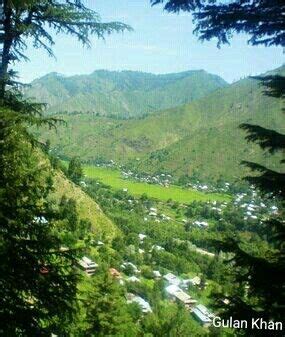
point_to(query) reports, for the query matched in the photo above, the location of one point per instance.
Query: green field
(113, 178)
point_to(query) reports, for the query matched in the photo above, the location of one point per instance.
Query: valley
(141, 183)
(115, 179)
(169, 183)
(164, 257)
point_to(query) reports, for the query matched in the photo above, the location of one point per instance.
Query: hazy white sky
(160, 43)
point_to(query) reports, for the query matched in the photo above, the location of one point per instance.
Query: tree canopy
(40, 20)
(263, 20)
(38, 281)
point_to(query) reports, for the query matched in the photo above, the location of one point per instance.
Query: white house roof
(133, 279)
(201, 223)
(196, 280)
(157, 247)
(175, 291)
(172, 279)
(85, 262)
(131, 298)
(130, 264)
(88, 265)
(142, 236)
(172, 289)
(202, 313)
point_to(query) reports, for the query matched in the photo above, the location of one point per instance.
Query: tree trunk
(7, 40)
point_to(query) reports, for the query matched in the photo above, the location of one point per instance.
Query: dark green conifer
(37, 277)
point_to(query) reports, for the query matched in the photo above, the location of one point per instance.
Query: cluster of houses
(175, 290)
(110, 163)
(252, 205)
(162, 179)
(153, 214)
(198, 186)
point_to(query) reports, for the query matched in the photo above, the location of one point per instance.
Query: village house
(83, 184)
(133, 279)
(88, 265)
(134, 267)
(195, 281)
(143, 304)
(115, 273)
(157, 247)
(156, 274)
(142, 237)
(172, 279)
(41, 220)
(178, 295)
(201, 224)
(203, 315)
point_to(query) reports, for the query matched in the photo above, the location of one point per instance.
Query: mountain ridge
(124, 94)
(202, 136)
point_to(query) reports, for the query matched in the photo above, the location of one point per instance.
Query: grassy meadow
(113, 178)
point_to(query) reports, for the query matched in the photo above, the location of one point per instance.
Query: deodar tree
(258, 290)
(37, 277)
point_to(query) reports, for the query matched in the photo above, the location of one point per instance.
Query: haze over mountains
(122, 94)
(200, 137)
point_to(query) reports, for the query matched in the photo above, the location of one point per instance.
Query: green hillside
(123, 94)
(87, 208)
(201, 137)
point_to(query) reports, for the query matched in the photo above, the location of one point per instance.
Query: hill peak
(123, 93)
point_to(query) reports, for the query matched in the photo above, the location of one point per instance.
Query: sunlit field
(113, 178)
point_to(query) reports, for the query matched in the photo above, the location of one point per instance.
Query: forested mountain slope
(202, 137)
(122, 94)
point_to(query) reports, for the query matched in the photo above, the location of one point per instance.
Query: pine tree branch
(262, 20)
(268, 139)
(175, 6)
(275, 85)
(268, 181)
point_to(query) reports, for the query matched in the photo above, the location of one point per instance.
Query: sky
(160, 43)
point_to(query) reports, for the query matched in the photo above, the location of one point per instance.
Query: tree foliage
(39, 21)
(263, 20)
(107, 311)
(75, 171)
(38, 282)
(37, 279)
